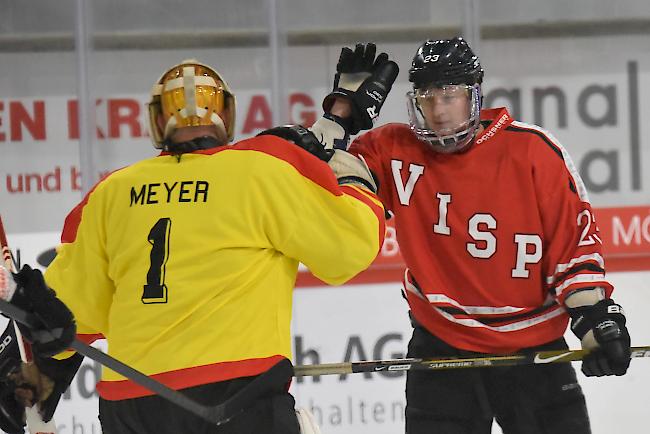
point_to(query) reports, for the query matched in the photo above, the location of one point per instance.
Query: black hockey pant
(522, 399)
(272, 413)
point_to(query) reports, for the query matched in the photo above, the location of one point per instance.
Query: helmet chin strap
(456, 143)
(452, 143)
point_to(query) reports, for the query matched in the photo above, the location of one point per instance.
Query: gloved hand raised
(364, 81)
(347, 168)
(601, 329)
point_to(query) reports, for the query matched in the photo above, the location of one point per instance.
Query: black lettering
(607, 92)
(349, 402)
(362, 410)
(300, 355)
(137, 197)
(610, 158)
(336, 415)
(378, 411)
(635, 141)
(538, 98)
(201, 188)
(76, 425)
(316, 412)
(88, 390)
(148, 193)
(513, 96)
(152, 193)
(183, 191)
(354, 345)
(169, 190)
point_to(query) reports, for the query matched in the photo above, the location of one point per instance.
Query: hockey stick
(218, 414)
(538, 358)
(34, 421)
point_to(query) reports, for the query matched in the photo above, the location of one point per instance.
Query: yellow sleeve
(79, 274)
(336, 231)
(339, 240)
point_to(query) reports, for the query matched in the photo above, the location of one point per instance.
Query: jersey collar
(499, 119)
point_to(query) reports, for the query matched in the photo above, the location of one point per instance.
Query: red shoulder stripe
(305, 163)
(366, 198)
(73, 219)
(188, 377)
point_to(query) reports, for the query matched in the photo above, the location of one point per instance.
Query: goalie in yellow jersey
(185, 262)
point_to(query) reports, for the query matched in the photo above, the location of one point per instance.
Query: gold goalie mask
(191, 94)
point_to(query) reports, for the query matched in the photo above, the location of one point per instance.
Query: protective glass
(445, 116)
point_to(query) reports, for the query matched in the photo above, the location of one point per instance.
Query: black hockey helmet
(445, 61)
(446, 67)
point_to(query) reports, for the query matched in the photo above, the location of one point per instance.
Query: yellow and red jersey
(186, 265)
(494, 238)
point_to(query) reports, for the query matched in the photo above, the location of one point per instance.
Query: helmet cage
(190, 94)
(446, 140)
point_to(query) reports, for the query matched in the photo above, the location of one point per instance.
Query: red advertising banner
(625, 232)
(626, 237)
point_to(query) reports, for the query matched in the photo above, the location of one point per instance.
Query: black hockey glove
(26, 384)
(365, 81)
(601, 329)
(302, 137)
(61, 372)
(347, 168)
(55, 328)
(12, 413)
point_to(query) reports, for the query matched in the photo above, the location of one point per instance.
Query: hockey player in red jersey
(502, 249)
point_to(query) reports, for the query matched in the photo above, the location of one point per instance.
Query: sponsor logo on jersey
(493, 129)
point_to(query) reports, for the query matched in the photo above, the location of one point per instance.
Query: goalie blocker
(45, 379)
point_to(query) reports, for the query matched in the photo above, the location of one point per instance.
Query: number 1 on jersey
(155, 291)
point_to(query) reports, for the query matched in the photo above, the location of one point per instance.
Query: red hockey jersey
(494, 238)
